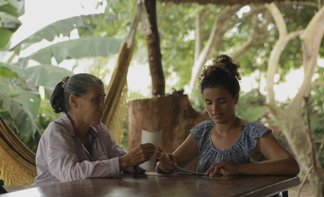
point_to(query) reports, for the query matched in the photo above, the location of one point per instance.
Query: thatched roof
(228, 2)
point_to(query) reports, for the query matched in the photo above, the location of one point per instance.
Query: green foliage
(46, 75)
(115, 22)
(251, 106)
(297, 16)
(12, 7)
(46, 115)
(79, 48)
(5, 37)
(9, 22)
(176, 27)
(291, 58)
(7, 72)
(20, 103)
(254, 59)
(61, 27)
(317, 106)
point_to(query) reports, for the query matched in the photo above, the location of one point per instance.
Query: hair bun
(226, 62)
(224, 59)
(65, 81)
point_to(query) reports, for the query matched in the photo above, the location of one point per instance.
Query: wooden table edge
(274, 188)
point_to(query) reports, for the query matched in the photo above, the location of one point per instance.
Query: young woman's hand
(137, 155)
(167, 163)
(222, 168)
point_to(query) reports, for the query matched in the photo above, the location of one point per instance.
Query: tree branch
(220, 25)
(258, 33)
(198, 39)
(277, 50)
(311, 41)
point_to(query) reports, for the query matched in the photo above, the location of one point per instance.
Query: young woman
(227, 144)
(78, 145)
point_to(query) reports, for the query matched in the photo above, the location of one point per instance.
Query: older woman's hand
(137, 155)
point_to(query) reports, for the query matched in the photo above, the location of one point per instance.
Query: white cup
(154, 138)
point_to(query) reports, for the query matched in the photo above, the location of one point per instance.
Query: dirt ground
(306, 191)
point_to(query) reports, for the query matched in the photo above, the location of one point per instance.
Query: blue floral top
(237, 153)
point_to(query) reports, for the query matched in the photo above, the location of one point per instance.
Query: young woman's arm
(278, 161)
(184, 154)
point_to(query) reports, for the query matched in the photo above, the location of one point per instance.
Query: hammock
(17, 161)
(116, 99)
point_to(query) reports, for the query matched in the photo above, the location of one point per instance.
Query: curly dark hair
(222, 72)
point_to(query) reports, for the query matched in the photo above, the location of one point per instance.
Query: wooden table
(168, 186)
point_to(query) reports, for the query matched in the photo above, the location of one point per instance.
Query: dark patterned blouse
(237, 153)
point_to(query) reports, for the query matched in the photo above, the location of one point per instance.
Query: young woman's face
(91, 105)
(219, 104)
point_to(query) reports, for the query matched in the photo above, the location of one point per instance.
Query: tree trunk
(172, 115)
(295, 131)
(154, 52)
(290, 119)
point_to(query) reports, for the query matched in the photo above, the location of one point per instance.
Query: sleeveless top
(237, 153)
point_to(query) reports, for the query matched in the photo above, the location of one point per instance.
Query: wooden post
(172, 115)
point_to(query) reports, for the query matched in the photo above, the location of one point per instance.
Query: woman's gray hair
(77, 85)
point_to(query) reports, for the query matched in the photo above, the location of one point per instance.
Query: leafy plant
(9, 22)
(21, 104)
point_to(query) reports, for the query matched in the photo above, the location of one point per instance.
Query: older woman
(77, 145)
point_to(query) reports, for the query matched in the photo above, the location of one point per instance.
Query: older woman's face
(219, 104)
(91, 105)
